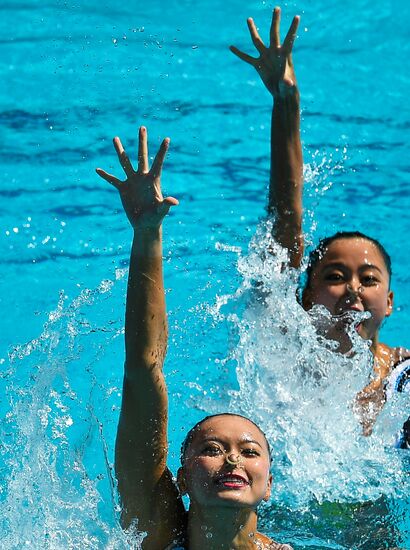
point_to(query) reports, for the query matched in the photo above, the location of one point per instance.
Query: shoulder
(387, 358)
(400, 355)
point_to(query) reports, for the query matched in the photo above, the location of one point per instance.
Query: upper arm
(146, 487)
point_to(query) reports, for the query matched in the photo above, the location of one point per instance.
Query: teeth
(232, 480)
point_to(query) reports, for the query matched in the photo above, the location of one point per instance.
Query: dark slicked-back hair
(318, 253)
(190, 435)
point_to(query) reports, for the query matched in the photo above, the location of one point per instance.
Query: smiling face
(226, 463)
(352, 275)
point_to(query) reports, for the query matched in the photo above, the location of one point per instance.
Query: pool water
(77, 74)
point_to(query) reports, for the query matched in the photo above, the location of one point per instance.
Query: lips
(232, 481)
(354, 308)
(347, 308)
(348, 316)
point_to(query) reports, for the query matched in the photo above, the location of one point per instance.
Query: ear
(389, 308)
(181, 483)
(268, 489)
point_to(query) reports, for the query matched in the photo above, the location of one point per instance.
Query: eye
(211, 450)
(334, 277)
(250, 451)
(369, 280)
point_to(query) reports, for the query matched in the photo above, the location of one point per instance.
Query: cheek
(377, 300)
(260, 470)
(201, 470)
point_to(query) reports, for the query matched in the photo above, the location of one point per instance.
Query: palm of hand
(274, 64)
(142, 199)
(275, 68)
(140, 193)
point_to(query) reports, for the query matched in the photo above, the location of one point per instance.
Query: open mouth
(347, 310)
(232, 481)
(352, 315)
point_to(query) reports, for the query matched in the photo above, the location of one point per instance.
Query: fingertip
(171, 201)
(165, 143)
(143, 129)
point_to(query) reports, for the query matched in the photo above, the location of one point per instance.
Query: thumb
(166, 204)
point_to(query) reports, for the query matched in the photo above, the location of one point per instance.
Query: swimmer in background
(225, 458)
(347, 272)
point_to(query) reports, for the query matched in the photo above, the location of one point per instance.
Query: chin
(233, 499)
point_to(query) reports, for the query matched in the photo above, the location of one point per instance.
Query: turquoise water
(76, 74)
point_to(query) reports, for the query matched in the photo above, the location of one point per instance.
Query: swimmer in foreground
(225, 458)
(347, 272)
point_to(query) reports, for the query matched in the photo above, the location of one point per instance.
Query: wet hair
(191, 434)
(318, 253)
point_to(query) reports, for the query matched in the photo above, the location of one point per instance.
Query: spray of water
(58, 488)
(295, 384)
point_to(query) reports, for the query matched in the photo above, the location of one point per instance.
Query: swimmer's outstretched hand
(140, 193)
(274, 64)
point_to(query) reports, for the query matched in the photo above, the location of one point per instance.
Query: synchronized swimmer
(348, 271)
(225, 459)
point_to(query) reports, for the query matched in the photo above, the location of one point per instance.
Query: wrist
(285, 94)
(147, 241)
(147, 233)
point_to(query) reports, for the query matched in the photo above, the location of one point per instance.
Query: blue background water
(74, 74)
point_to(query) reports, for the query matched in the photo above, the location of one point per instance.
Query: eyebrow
(222, 442)
(363, 267)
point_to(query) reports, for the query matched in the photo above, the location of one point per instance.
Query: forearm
(286, 176)
(142, 429)
(145, 322)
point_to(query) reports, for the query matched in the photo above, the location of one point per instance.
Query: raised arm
(144, 482)
(275, 67)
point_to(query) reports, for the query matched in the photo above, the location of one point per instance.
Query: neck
(221, 528)
(375, 347)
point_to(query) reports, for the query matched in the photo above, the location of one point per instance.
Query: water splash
(301, 392)
(58, 487)
(292, 381)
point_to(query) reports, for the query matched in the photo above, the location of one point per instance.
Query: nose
(234, 459)
(354, 289)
